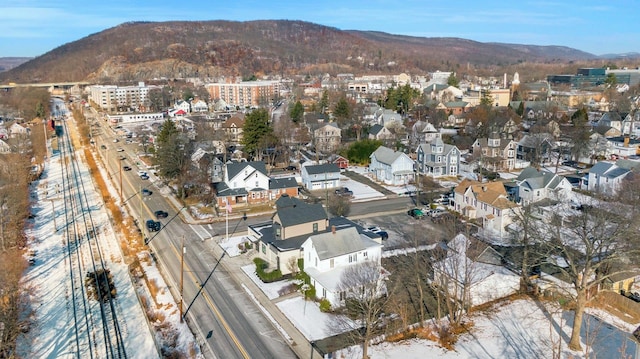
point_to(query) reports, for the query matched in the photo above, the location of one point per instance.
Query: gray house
(438, 159)
(321, 176)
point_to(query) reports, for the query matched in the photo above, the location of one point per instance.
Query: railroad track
(92, 303)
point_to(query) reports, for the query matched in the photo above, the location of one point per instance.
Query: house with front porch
(327, 255)
(279, 241)
(248, 183)
(486, 202)
(438, 159)
(391, 167)
(317, 177)
(495, 153)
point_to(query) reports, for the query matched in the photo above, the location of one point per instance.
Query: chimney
(333, 229)
(626, 141)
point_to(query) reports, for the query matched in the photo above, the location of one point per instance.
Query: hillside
(145, 50)
(7, 63)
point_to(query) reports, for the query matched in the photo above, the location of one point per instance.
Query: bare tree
(592, 246)
(453, 276)
(366, 296)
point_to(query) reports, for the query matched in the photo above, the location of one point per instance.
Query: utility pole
(184, 250)
(120, 182)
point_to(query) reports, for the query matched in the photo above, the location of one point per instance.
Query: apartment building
(245, 94)
(121, 98)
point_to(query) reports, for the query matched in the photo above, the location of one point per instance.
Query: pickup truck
(344, 191)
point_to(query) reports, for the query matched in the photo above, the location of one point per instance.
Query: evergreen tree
(169, 152)
(486, 99)
(342, 109)
(324, 101)
(256, 128)
(452, 80)
(297, 111)
(520, 110)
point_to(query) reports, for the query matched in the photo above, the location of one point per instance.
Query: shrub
(325, 306)
(265, 276)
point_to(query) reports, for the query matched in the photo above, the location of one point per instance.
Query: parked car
(126, 168)
(120, 149)
(374, 229)
(161, 214)
(153, 226)
(144, 177)
(122, 158)
(146, 192)
(436, 212)
(415, 213)
(291, 168)
(383, 234)
(344, 191)
(103, 147)
(115, 140)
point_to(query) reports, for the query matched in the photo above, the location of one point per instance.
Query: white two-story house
(326, 255)
(391, 167)
(438, 159)
(534, 186)
(248, 182)
(487, 202)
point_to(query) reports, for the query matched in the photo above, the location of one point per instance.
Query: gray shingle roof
(344, 241)
(301, 213)
(279, 183)
(386, 155)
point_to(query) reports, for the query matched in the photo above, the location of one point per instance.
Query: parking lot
(405, 231)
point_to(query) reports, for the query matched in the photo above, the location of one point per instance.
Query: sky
(33, 27)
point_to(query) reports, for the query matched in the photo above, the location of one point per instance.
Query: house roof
(534, 179)
(456, 104)
(283, 182)
(386, 155)
(608, 169)
(492, 193)
(300, 212)
(323, 168)
(375, 129)
(344, 241)
(234, 168)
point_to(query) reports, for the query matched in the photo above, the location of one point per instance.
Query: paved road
(238, 327)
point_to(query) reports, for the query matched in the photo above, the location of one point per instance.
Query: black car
(153, 226)
(126, 168)
(384, 235)
(291, 168)
(161, 214)
(146, 192)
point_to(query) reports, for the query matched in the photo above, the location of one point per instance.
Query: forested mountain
(145, 50)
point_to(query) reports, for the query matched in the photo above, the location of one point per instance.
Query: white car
(120, 149)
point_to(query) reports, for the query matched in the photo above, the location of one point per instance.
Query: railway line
(92, 296)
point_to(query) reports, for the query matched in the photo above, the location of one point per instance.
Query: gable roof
(375, 129)
(234, 168)
(534, 179)
(386, 155)
(492, 193)
(333, 244)
(283, 182)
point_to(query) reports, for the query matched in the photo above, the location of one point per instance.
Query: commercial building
(245, 94)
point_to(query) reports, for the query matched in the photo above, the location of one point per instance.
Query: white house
(486, 202)
(16, 130)
(4, 147)
(326, 255)
(605, 177)
(182, 105)
(534, 186)
(391, 167)
(199, 105)
(320, 176)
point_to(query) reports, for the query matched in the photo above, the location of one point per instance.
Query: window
(315, 227)
(331, 263)
(364, 254)
(264, 249)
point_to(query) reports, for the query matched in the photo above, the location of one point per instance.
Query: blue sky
(34, 27)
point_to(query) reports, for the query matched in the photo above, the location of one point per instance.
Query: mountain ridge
(176, 49)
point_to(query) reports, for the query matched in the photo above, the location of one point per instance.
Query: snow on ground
(269, 289)
(52, 333)
(231, 245)
(361, 191)
(308, 318)
(518, 329)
